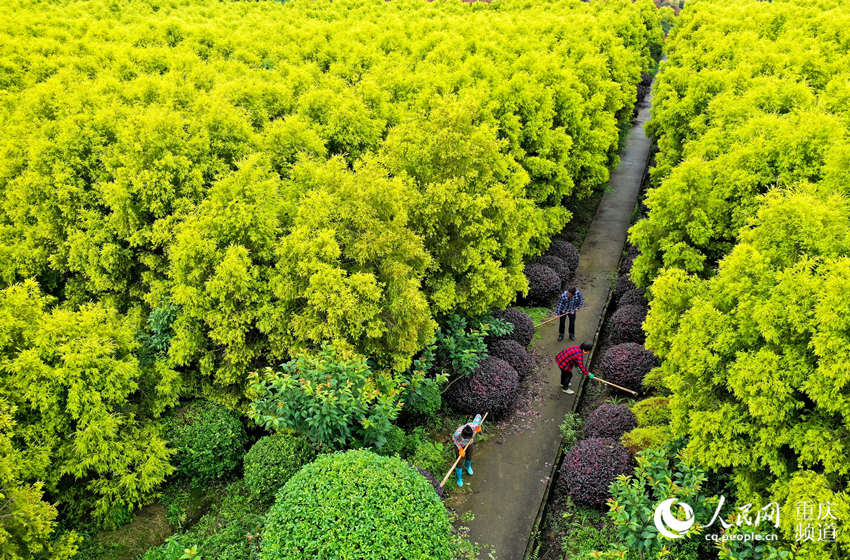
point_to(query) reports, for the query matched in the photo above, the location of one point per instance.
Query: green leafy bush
(433, 482)
(394, 444)
(208, 440)
(654, 411)
(332, 397)
(660, 474)
(429, 455)
(173, 549)
(646, 437)
(357, 505)
(272, 460)
(571, 429)
(422, 396)
(460, 346)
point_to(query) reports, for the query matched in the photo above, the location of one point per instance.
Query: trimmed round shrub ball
(492, 388)
(544, 284)
(433, 482)
(626, 324)
(643, 438)
(624, 284)
(523, 325)
(633, 297)
(208, 440)
(558, 265)
(357, 504)
(565, 251)
(272, 461)
(654, 411)
(610, 421)
(514, 353)
(627, 364)
(590, 467)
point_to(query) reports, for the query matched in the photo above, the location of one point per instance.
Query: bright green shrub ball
(643, 438)
(209, 441)
(272, 461)
(357, 505)
(654, 411)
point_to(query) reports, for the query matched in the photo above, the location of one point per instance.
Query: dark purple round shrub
(627, 364)
(565, 251)
(544, 284)
(434, 482)
(626, 324)
(514, 353)
(490, 388)
(610, 421)
(590, 467)
(624, 284)
(523, 325)
(558, 265)
(633, 297)
(626, 266)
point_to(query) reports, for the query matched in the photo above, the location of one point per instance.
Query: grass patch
(148, 528)
(180, 507)
(537, 314)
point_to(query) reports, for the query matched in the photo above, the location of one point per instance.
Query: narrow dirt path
(512, 469)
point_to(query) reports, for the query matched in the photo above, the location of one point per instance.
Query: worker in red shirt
(571, 357)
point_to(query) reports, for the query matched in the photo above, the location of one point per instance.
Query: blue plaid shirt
(568, 304)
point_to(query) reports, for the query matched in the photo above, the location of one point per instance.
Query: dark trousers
(468, 451)
(572, 317)
(566, 377)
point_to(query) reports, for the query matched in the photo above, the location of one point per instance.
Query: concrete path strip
(512, 470)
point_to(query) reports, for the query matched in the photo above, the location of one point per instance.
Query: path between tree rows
(512, 469)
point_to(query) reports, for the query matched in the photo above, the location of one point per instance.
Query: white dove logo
(667, 524)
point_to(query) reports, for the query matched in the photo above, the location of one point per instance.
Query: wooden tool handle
(615, 385)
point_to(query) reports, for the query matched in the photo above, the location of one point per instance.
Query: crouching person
(463, 440)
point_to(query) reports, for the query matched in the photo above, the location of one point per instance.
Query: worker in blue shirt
(569, 302)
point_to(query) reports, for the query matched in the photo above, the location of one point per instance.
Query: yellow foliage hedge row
(241, 181)
(746, 251)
